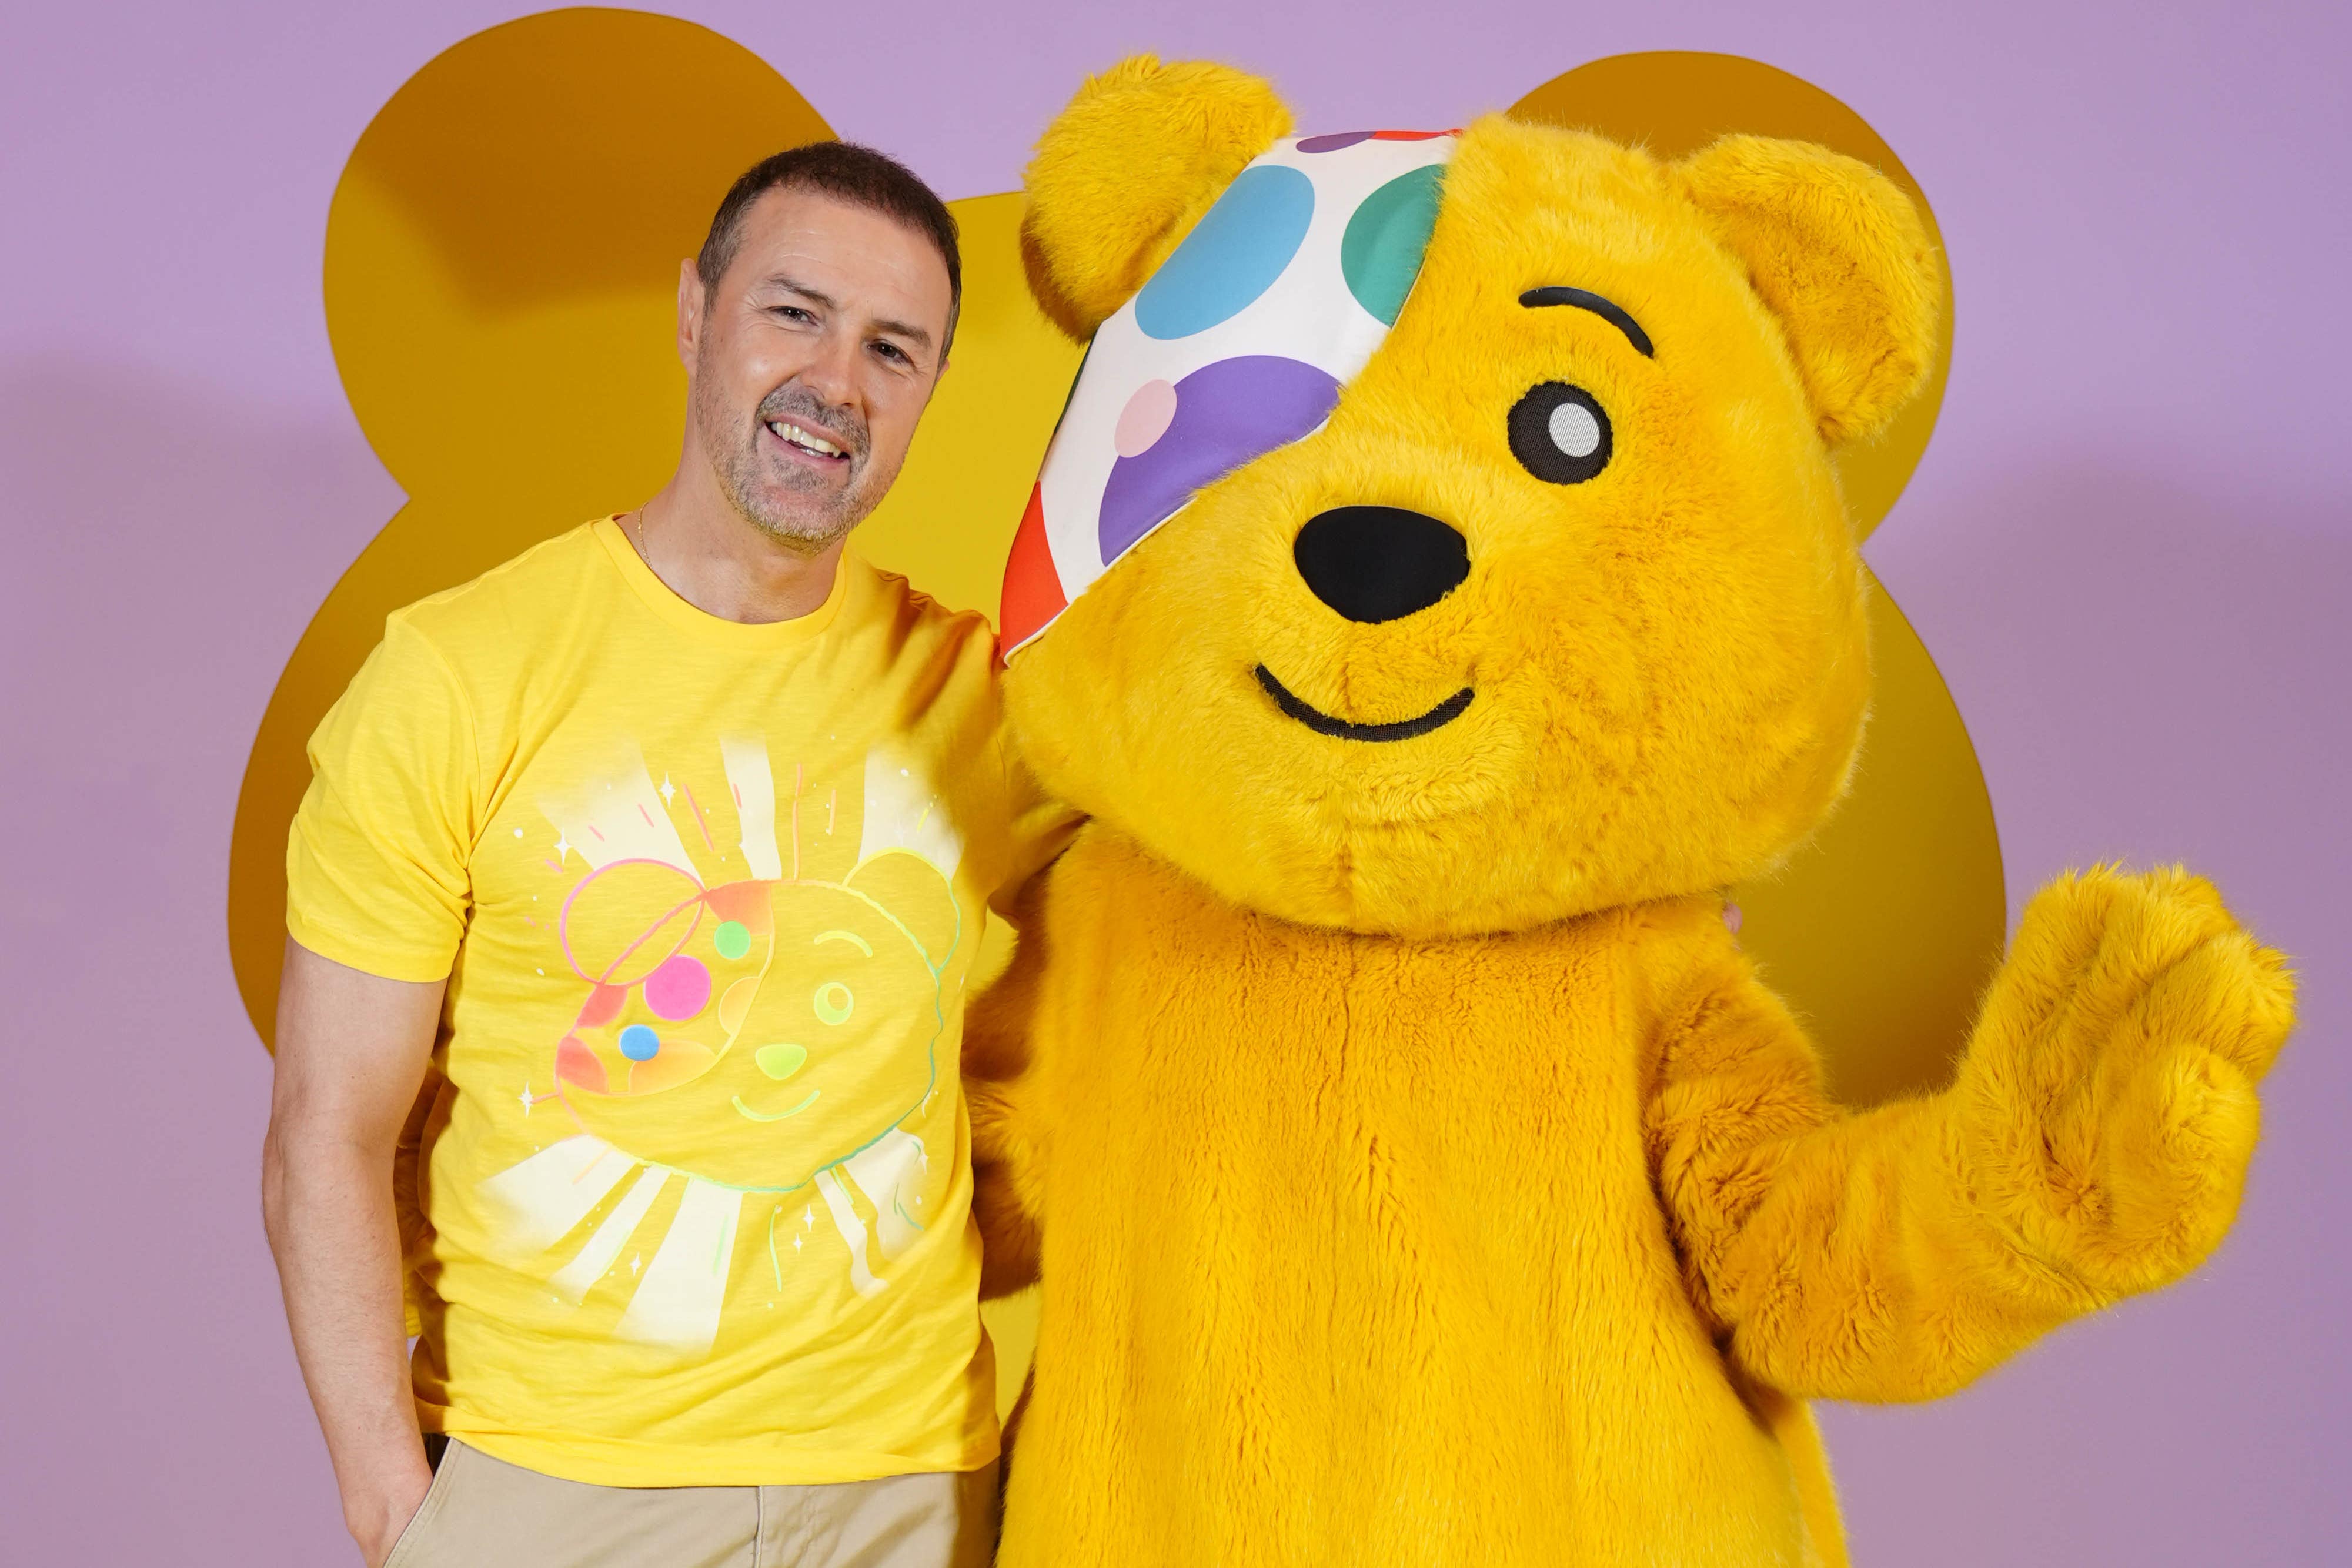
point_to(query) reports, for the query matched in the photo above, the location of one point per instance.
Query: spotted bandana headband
(1237, 345)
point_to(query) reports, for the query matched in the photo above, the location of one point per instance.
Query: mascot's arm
(1000, 1091)
(2094, 1144)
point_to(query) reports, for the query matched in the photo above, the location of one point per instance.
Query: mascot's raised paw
(2108, 1101)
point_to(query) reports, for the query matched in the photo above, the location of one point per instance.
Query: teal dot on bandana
(1380, 253)
(1232, 255)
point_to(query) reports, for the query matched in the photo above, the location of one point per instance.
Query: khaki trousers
(483, 1512)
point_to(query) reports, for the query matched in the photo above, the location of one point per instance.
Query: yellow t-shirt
(695, 1183)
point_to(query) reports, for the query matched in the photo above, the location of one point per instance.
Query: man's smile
(801, 443)
(1323, 723)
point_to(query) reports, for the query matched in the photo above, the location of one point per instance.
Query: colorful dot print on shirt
(1237, 345)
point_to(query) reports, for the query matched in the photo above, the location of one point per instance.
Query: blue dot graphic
(1232, 255)
(639, 1043)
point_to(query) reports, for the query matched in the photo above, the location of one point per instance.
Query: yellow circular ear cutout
(502, 261)
(501, 277)
(503, 250)
(501, 268)
(501, 285)
(1882, 930)
(1675, 102)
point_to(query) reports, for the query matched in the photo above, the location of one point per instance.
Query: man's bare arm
(351, 1054)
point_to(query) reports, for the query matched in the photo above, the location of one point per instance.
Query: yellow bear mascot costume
(1417, 1172)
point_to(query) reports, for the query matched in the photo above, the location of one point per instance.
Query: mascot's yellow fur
(1417, 1171)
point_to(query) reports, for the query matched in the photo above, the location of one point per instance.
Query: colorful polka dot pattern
(679, 988)
(1338, 140)
(653, 994)
(1222, 415)
(1238, 344)
(1232, 255)
(1381, 254)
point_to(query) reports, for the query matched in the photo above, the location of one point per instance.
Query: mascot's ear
(1123, 172)
(1839, 254)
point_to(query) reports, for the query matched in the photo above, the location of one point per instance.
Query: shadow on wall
(167, 540)
(2110, 595)
(165, 546)
(1883, 929)
(2156, 665)
(502, 267)
(514, 383)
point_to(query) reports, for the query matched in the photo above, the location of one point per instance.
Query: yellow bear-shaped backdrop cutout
(501, 272)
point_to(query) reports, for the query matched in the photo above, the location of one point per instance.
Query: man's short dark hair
(848, 173)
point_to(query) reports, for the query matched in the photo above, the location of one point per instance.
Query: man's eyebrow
(1585, 300)
(913, 334)
(795, 285)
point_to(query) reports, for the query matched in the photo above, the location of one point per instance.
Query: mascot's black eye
(1560, 435)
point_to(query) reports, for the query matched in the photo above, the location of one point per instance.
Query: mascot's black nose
(1380, 563)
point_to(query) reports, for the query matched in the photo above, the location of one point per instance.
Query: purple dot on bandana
(1334, 141)
(1145, 419)
(1227, 413)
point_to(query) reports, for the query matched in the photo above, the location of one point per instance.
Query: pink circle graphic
(678, 989)
(1145, 419)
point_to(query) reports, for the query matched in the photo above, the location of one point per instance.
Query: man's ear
(690, 311)
(1839, 255)
(1124, 172)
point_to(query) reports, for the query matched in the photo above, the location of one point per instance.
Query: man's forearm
(328, 1206)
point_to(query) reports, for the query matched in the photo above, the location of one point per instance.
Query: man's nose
(832, 372)
(1380, 563)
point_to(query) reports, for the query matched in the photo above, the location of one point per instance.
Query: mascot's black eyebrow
(1583, 299)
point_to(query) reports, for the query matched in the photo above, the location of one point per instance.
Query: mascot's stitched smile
(1322, 723)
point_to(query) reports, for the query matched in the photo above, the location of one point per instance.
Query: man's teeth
(801, 438)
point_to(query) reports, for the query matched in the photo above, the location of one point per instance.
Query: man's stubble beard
(744, 478)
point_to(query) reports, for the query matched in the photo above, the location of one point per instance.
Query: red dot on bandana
(1033, 589)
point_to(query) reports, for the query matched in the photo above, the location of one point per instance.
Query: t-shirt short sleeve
(376, 863)
(1042, 827)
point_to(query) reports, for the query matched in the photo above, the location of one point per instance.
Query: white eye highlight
(1559, 433)
(1574, 430)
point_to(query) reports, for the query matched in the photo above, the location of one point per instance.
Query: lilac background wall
(2129, 549)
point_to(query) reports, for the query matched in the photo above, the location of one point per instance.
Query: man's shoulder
(543, 583)
(915, 617)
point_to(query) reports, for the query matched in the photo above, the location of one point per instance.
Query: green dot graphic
(1380, 253)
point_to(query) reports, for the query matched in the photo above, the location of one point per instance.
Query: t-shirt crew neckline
(663, 602)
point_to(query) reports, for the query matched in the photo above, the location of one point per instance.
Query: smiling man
(629, 912)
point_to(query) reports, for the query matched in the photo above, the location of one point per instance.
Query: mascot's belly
(1350, 1257)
